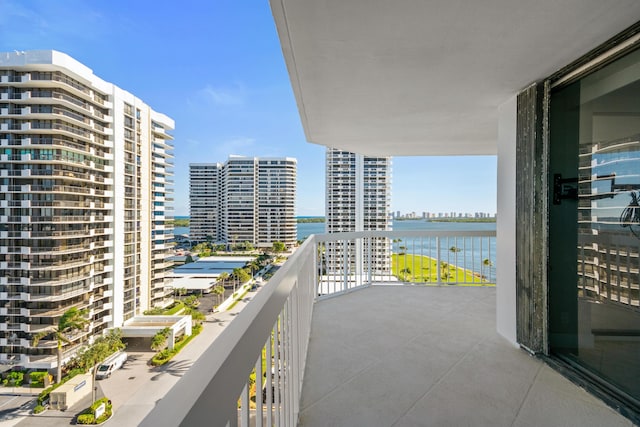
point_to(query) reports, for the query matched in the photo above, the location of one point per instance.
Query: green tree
(242, 276)
(278, 247)
(178, 292)
(70, 322)
(454, 249)
(223, 277)
(488, 264)
(103, 347)
(196, 316)
(218, 291)
(444, 267)
(191, 302)
(235, 275)
(253, 266)
(202, 249)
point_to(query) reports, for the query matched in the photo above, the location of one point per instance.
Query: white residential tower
(85, 195)
(246, 199)
(358, 198)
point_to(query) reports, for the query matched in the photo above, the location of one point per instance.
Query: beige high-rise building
(246, 199)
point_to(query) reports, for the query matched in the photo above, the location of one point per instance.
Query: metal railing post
(345, 269)
(438, 260)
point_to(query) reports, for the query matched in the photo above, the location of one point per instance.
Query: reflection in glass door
(594, 225)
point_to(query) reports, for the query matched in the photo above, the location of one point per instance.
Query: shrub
(37, 378)
(14, 379)
(108, 408)
(86, 419)
(38, 409)
(174, 308)
(88, 415)
(44, 394)
(162, 357)
(165, 355)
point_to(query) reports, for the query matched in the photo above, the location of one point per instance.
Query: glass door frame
(534, 191)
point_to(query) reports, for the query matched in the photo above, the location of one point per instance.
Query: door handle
(564, 188)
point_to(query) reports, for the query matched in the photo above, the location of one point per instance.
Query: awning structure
(194, 283)
(148, 326)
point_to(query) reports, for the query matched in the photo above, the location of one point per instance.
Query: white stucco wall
(506, 222)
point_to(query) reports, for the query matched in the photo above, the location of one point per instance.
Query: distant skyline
(216, 68)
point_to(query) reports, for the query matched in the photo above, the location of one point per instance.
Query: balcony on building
(362, 347)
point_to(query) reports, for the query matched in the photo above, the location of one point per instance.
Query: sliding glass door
(594, 225)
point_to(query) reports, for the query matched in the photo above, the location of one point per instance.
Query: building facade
(358, 198)
(246, 199)
(85, 195)
(205, 186)
(276, 196)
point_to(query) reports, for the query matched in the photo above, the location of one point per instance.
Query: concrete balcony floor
(408, 356)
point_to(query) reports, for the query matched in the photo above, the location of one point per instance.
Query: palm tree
(218, 291)
(253, 266)
(455, 250)
(278, 247)
(159, 340)
(444, 266)
(178, 292)
(236, 277)
(71, 321)
(223, 277)
(486, 263)
(404, 273)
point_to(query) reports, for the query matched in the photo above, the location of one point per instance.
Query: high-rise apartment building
(85, 195)
(246, 199)
(358, 198)
(205, 189)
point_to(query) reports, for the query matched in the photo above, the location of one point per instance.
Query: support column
(506, 222)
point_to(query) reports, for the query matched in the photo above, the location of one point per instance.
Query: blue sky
(216, 68)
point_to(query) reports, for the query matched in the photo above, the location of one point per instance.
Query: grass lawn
(424, 269)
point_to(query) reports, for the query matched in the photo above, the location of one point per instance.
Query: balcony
(362, 348)
(437, 353)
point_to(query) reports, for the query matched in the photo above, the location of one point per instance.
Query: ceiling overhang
(416, 77)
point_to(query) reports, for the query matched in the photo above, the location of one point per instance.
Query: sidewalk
(20, 391)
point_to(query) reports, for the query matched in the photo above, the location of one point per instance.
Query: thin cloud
(225, 96)
(48, 21)
(236, 146)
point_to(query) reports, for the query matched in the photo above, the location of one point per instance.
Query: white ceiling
(425, 77)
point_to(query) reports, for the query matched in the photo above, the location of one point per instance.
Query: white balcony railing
(253, 373)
